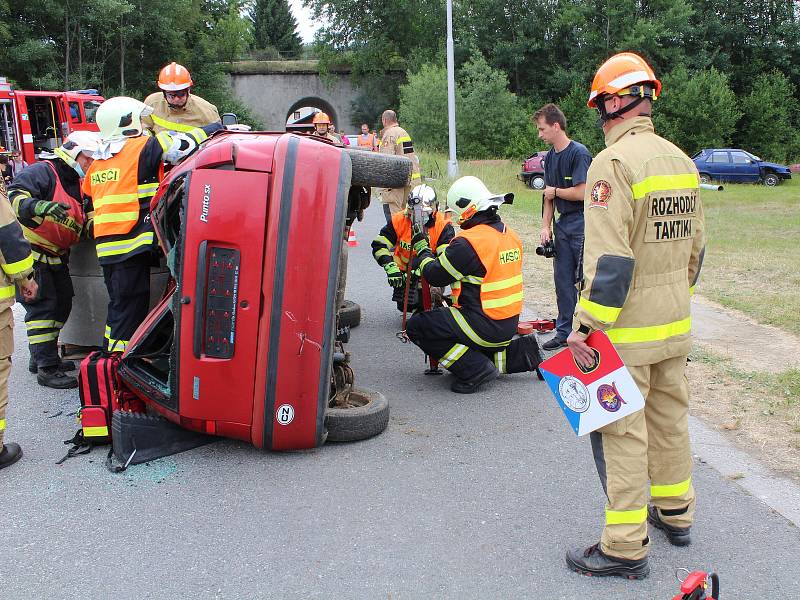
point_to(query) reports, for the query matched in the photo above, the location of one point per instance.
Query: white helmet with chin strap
(121, 118)
(425, 195)
(469, 195)
(77, 142)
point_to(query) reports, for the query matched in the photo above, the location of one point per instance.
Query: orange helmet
(621, 74)
(321, 118)
(174, 77)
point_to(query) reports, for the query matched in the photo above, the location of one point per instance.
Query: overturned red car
(248, 341)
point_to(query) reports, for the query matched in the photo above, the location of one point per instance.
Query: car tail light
(217, 296)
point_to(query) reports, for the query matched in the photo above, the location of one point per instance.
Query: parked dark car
(738, 166)
(533, 171)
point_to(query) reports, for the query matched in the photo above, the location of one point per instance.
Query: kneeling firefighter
(473, 338)
(46, 197)
(392, 247)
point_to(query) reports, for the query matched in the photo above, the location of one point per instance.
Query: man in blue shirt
(565, 168)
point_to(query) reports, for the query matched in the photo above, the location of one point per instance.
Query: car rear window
(719, 157)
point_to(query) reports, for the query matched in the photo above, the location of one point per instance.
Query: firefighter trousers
(6, 349)
(128, 284)
(47, 313)
(437, 334)
(649, 445)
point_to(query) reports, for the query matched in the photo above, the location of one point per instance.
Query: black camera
(548, 249)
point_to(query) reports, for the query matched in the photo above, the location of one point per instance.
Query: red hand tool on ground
(695, 585)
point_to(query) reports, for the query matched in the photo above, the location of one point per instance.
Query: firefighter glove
(420, 241)
(395, 276)
(56, 210)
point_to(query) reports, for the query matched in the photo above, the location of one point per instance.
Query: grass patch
(752, 260)
(761, 409)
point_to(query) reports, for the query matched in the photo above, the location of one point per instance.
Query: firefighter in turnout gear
(175, 108)
(395, 140)
(483, 266)
(642, 257)
(118, 189)
(16, 269)
(392, 247)
(46, 197)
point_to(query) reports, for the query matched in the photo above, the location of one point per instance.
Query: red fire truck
(36, 122)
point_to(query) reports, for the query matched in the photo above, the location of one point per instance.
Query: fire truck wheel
(367, 416)
(349, 314)
(371, 169)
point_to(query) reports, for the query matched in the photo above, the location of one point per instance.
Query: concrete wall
(272, 96)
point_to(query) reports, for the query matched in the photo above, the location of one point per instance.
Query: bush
(696, 110)
(489, 118)
(423, 107)
(771, 112)
(488, 114)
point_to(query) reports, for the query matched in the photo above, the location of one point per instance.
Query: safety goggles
(177, 94)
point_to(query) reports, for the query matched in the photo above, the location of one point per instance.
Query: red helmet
(174, 77)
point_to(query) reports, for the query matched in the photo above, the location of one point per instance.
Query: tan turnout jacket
(644, 244)
(396, 141)
(196, 113)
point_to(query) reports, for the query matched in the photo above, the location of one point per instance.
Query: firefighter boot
(63, 365)
(677, 536)
(593, 562)
(471, 385)
(11, 453)
(52, 377)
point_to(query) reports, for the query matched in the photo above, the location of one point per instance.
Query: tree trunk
(66, 48)
(121, 61)
(80, 54)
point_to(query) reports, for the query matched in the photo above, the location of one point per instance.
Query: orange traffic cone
(351, 238)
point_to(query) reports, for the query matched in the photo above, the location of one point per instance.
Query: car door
(745, 168)
(719, 165)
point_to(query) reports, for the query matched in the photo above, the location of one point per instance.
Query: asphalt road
(462, 497)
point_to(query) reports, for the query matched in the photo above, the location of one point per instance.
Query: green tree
(771, 115)
(488, 114)
(423, 107)
(274, 26)
(233, 34)
(696, 109)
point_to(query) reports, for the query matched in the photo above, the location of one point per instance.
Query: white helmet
(425, 195)
(469, 196)
(80, 141)
(121, 117)
(75, 143)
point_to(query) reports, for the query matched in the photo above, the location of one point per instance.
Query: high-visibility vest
(402, 227)
(113, 185)
(501, 256)
(57, 236)
(367, 143)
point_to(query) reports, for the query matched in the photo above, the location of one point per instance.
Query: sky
(305, 26)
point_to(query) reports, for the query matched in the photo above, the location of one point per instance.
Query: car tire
(372, 169)
(537, 182)
(771, 179)
(359, 422)
(349, 314)
(705, 178)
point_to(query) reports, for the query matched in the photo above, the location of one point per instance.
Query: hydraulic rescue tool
(418, 218)
(694, 586)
